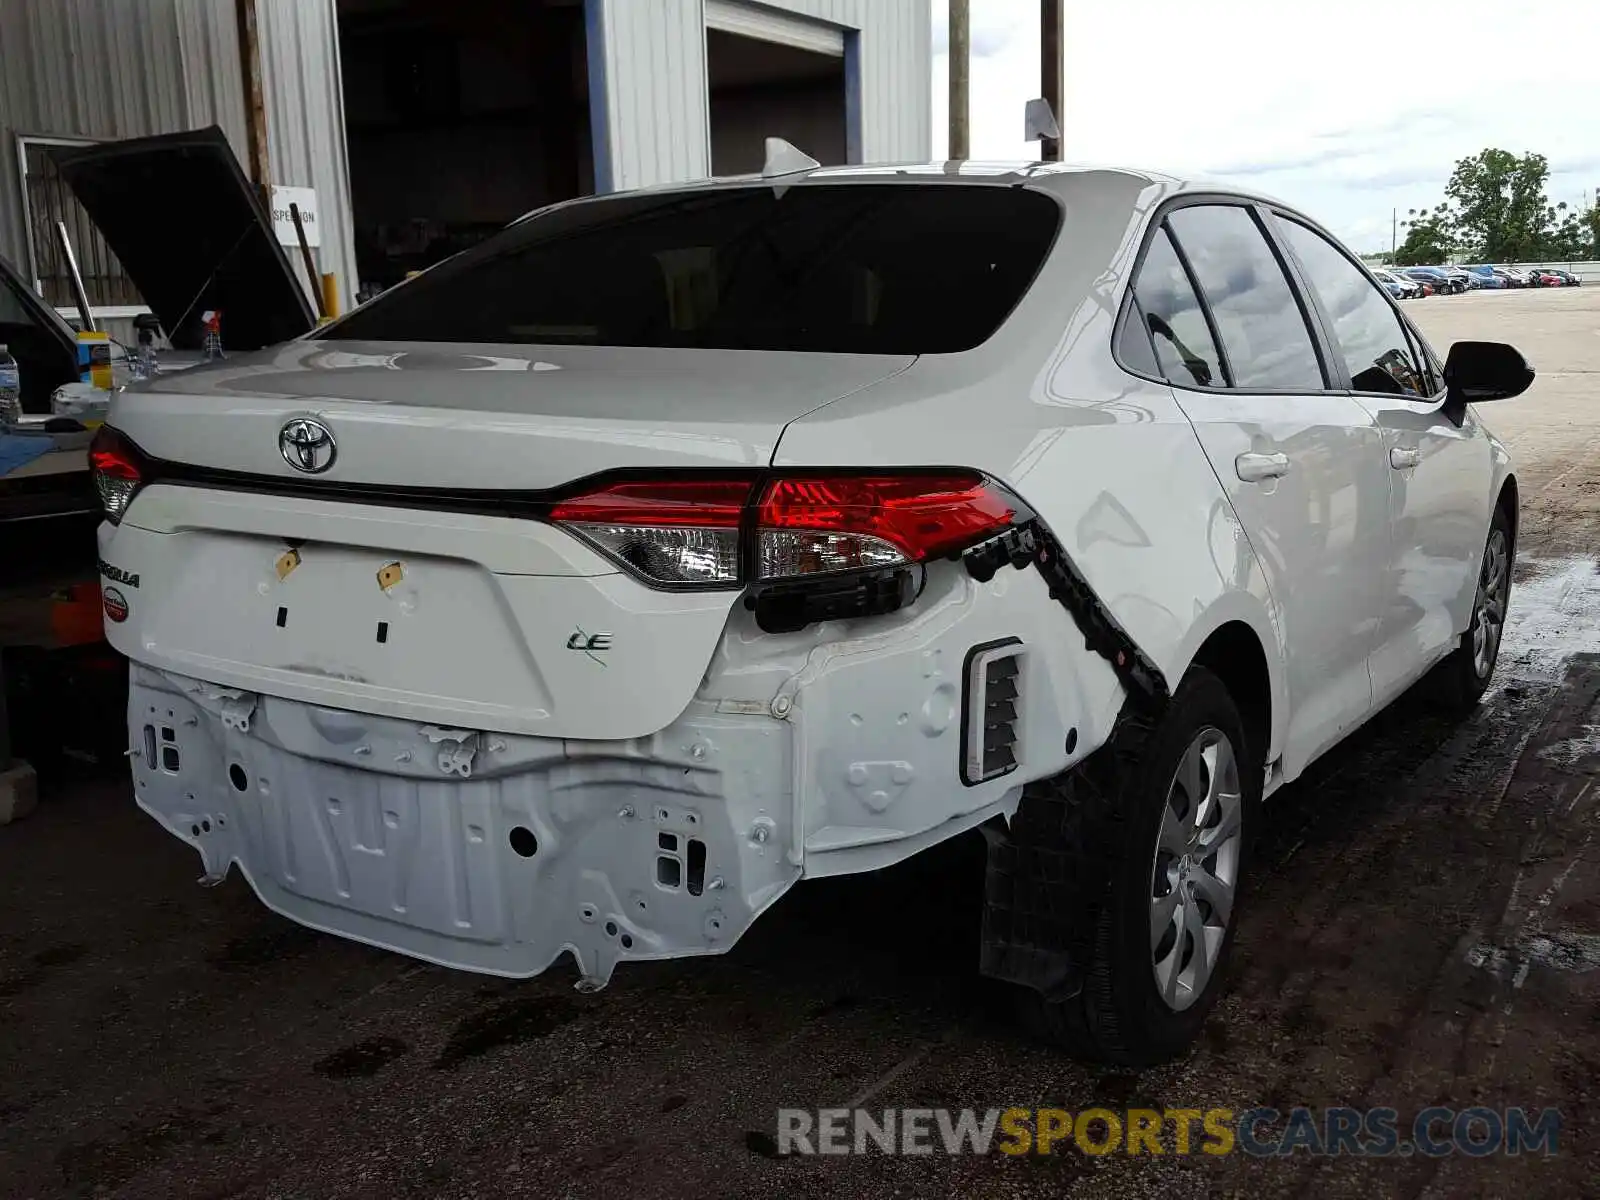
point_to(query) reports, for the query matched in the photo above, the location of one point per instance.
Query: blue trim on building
(594, 35)
(852, 96)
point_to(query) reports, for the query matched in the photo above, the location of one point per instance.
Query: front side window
(1366, 330)
(849, 268)
(1263, 330)
(1185, 351)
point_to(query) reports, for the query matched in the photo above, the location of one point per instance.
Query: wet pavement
(1424, 928)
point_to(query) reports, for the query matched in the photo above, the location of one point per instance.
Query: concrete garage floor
(1426, 929)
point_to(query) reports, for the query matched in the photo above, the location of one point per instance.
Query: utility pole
(1051, 71)
(960, 52)
(255, 109)
(1394, 231)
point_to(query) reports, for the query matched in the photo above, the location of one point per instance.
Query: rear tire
(1169, 807)
(1461, 679)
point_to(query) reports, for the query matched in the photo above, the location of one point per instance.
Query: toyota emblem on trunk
(307, 445)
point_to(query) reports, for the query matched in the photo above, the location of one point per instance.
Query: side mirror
(1479, 371)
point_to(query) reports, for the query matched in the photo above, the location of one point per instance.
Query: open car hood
(188, 227)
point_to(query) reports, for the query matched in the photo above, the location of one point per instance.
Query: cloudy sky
(1348, 116)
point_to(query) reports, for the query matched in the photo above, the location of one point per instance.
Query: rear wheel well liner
(1234, 654)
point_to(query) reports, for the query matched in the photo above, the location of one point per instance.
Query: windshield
(853, 268)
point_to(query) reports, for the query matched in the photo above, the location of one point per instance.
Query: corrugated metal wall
(128, 68)
(304, 96)
(110, 69)
(654, 85)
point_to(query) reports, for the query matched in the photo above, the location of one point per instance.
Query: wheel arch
(1509, 498)
(1238, 643)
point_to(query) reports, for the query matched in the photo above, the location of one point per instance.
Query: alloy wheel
(1490, 611)
(1195, 876)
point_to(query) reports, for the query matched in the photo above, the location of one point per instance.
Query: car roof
(1049, 176)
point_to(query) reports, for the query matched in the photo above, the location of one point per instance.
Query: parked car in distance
(580, 596)
(1544, 277)
(1438, 277)
(1514, 277)
(1567, 278)
(1400, 286)
(1485, 277)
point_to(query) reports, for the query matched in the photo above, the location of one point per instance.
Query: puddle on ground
(1554, 614)
(503, 1024)
(360, 1060)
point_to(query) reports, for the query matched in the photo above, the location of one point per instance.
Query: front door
(1439, 504)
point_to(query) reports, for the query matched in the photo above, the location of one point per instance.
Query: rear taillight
(115, 463)
(721, 532)
(677, 531)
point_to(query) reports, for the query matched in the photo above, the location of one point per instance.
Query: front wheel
(1170, 808)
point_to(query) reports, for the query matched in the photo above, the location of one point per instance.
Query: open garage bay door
(769, 25)
(773, 74)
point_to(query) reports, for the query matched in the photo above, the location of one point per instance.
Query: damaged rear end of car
(481, 627)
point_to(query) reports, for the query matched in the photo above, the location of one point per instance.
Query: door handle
(1402, 457)
(1253, 468)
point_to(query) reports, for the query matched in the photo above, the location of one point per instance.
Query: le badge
(116, 605)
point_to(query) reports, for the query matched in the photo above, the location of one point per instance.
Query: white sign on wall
(283, 223)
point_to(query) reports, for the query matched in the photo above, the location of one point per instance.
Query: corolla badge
(307, 445)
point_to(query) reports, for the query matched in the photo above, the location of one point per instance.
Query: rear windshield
(856, 268)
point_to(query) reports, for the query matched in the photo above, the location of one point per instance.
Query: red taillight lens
(687, 531)
(697, 502)
(840, 522)
(115, 464)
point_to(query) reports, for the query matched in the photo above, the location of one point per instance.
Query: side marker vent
(991, 727)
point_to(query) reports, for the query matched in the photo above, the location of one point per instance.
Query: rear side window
(1163, 296)
(1366, 330)
(1263, 331)
(864, 268)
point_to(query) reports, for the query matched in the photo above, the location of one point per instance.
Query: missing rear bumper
(350, 824)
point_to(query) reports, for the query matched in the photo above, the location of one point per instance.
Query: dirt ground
(1425, 929)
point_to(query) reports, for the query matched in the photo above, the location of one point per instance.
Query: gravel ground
(1425, 929)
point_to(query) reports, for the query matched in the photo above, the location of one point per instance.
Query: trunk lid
(358, 600)
(489, 417)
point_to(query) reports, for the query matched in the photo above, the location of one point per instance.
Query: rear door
(1301, 461)
(1439, 467)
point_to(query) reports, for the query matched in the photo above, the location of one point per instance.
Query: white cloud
(1347, 110)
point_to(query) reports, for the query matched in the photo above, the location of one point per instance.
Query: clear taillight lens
(672, 531)
(689, 532)
(668, 555)
(114, 462)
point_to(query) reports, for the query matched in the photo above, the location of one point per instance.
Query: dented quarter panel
(875, 708)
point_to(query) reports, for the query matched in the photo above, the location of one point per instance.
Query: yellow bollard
(330, 295)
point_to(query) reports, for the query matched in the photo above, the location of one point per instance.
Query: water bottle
(10, 392)
(212, 347)
(144, 365)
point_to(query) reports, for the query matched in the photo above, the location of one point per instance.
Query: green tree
(1430, 237)
(1568, 234)
(1501, 210)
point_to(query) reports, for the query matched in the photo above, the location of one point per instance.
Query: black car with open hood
(192, 234)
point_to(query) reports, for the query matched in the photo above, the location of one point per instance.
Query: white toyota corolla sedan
(584, 593)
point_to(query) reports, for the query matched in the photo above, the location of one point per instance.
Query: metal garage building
(422, 125)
